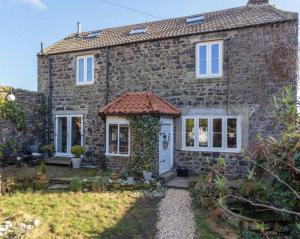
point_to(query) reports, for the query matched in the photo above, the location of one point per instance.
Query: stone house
(211, 78)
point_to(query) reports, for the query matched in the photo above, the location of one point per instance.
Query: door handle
(162, 161)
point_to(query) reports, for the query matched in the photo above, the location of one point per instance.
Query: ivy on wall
(12, 111)
(144, 134)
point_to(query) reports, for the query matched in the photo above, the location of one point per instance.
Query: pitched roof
(133, 103)
(213, 21)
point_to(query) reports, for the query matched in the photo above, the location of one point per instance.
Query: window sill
(212, 150)
(84, 83)
(117, 155)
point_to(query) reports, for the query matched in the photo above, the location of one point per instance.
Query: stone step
(181, 182)
(166, 177)
(58, 187)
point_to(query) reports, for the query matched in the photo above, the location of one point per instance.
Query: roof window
(93, 34)
(194, 19)
(137, 31)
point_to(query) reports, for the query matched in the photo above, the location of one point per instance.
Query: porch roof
(133, 103)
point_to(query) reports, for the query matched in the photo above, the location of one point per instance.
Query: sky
(26, 23)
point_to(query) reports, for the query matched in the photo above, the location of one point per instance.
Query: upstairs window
(211, 133)
(85, 70)
(209, 59)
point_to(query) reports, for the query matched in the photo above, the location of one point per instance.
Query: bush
(8, 185)
(77, 150)
(75, 185)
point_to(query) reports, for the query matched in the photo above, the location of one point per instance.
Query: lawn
(84, 215)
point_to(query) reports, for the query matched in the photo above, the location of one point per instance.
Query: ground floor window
(117, 137)
(212, 133)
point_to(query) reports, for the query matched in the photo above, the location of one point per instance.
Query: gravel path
(176, 218)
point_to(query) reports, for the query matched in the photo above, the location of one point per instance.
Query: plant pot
(147, 175)
(76, 162)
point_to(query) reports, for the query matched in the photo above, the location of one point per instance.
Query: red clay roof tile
(132, 103)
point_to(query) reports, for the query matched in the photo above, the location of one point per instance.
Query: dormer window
(137, 31)
(194, 19)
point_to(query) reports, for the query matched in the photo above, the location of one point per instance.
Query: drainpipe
(49, 100)
(107, 74)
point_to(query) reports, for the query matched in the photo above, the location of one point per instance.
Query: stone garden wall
(33, 104)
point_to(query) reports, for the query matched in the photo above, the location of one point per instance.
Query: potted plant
(47, 150)
(78, 152)
(147, 171)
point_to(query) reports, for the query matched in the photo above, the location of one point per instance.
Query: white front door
(68, 132)
(166, 146)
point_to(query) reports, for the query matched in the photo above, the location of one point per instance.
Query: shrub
(8, 185)
(75, 185)
(48, 148)
(77, 150)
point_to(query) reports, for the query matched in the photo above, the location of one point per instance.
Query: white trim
(117, 121)
(85, 81)
(208, 60)
(69, 132)
(210, 148)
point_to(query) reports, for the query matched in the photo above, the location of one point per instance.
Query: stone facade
(167, 68)
(34, 105)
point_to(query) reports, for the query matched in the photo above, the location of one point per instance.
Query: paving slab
(180, 182)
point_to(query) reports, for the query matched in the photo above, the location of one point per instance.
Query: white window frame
(85, 81)
(209, 74)
(116, 121)
(210, 148)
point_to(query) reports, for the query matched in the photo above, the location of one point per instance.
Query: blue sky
(26, 23)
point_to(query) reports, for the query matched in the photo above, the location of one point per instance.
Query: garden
(265, 204)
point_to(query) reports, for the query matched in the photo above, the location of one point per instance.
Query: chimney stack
(257, 2)
(42, 48)
(78, 28)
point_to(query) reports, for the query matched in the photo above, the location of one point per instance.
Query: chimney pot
(257, 2)
(78, 28)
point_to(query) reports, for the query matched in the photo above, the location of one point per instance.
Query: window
(137, 31)
(194, 19)
(212, 133)
(85, 70)
(94, 34)
(209, 60)
(117, 137)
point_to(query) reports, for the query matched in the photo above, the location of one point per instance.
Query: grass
(203, 229)
(84, 215)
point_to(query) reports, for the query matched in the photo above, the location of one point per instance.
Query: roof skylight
(93, 34)
(137, 31)
(194, 19)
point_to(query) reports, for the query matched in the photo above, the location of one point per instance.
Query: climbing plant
(13, 111)
(144, 135)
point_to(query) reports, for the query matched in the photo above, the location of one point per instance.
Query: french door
(68, 132)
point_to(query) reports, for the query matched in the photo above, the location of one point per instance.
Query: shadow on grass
(139, 222)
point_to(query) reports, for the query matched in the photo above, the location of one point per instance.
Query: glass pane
(231, 133)
(203, 132)
(189, 132)
(76, 131)
(81, 70)
(217, 133)
(124, 136)
(203, 60)
(215, 58)
(113, 139)
(62, 135)
(90, 69)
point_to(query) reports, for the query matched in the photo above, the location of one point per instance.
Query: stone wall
(34, 105)
(167, 68)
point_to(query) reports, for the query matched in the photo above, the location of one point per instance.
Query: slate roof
(233, 18)
(137, 103)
